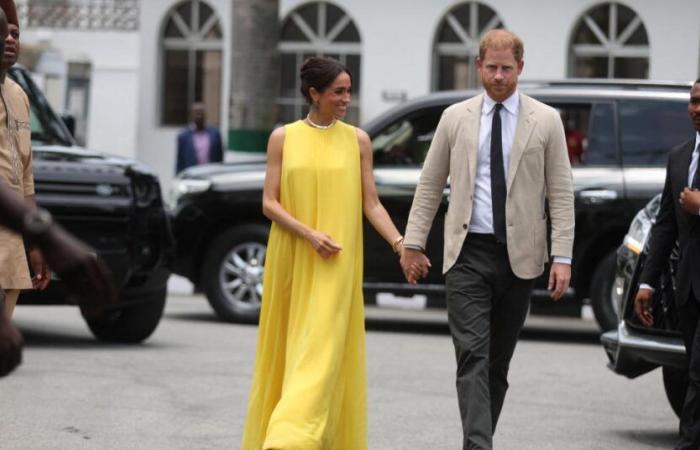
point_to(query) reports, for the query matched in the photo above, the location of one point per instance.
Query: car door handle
(598, 196)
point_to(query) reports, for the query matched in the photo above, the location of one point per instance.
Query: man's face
(11, 51)
(198, 116)
(694, 106)
(499, 73)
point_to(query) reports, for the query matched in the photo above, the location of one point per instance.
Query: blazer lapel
(523, 130)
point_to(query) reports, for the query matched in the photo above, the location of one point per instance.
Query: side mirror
(69, 121)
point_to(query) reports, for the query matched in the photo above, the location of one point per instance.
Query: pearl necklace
(320, 127)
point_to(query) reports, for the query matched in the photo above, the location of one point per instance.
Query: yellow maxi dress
(309, 384)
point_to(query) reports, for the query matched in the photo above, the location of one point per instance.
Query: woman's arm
(371, 206)
(272, 208)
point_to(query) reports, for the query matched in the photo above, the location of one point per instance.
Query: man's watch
(36, 224)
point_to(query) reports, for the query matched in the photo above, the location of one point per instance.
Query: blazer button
(465, 226)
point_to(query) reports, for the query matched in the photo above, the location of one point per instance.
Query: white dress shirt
(482, 213)
(694, 160)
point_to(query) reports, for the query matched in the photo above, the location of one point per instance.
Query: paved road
(186, 387)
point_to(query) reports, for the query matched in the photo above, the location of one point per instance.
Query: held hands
(690, 201)
(559, 277)
(642, 306)
(324, 245)
(414, 264)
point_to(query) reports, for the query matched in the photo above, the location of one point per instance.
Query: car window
(590, 133)
(38, 131)
(649, 129)
(406, 141)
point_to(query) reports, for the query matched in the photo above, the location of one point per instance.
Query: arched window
(609, 41)
(191, 65)
(457, 45)
(316, 29)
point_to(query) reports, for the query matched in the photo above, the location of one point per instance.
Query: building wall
(113, 97)
(398, 35)
(397, 53)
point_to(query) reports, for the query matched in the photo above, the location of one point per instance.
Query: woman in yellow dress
(309, 384)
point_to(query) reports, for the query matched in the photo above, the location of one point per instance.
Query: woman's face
(334, 100)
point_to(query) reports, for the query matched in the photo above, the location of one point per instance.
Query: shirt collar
(511, 104)
(697, 141)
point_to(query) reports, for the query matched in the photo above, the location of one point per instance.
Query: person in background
(678, 220)
(16, 171)
(198, 143)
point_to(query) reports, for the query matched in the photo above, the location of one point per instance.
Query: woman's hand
(324, 245)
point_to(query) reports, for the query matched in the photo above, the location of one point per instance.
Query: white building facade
(142, 78)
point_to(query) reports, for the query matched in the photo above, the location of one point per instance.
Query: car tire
(604, 309)
(134, 323)
(675, 385)
(232, 272)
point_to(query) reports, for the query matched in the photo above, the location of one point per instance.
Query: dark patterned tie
(696, 178)
(498, 177)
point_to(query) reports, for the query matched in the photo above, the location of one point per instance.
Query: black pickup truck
(112, 203)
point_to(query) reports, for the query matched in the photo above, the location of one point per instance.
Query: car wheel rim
(241, 275)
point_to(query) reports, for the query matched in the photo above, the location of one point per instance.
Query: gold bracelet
(396, 243)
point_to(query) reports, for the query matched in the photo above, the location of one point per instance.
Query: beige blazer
(539, 168)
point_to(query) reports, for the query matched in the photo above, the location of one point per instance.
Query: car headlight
(145, 191)
(186, 186)
(638, 232)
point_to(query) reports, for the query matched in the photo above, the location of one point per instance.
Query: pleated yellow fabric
(309, 385)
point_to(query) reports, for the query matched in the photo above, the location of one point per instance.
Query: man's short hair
(502, 39)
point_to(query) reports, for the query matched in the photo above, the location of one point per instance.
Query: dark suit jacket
(186, 153)
(673, 223)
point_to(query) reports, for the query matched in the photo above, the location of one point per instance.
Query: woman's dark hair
(319, 73)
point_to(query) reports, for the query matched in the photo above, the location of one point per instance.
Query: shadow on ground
(650, 438)
(530, 333)
(35, 337)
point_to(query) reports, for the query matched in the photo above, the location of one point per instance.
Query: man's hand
(10, 346)
(40, 268)
(84, 275)
(690, 201)
(324, 245)
(414, 264)
(559, 277)
(642, 306)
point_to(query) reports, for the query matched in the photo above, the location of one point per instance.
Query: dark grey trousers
(486, 306)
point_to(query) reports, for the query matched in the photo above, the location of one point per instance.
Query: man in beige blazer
(503, 154)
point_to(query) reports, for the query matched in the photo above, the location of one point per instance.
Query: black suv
(112, 203)
(618, 135)
(633, 349)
